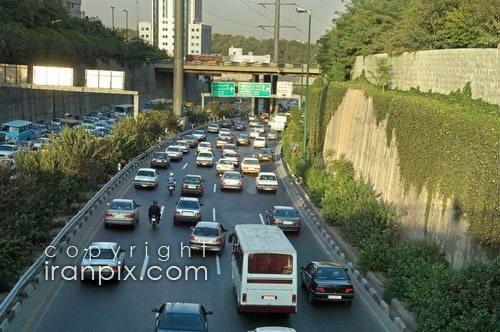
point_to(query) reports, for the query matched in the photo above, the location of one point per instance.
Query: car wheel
(312, 300)
(132, 226)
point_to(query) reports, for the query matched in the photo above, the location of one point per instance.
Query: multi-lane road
(73, 306)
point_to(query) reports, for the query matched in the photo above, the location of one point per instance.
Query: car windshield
(268, 177)
(285, 213)
(234, 176)
(146, 173)
(159, 155)
(251, 162)
(121, 206)
(191, 205)
(181, 322)
(99, 253)
(331, 273)
(206, 231)
(192, 179)
(205, 154)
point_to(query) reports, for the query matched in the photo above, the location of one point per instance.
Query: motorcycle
(171, 188)
(154, 221)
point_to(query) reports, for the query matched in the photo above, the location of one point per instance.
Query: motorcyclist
(171, 179)
(154, 210)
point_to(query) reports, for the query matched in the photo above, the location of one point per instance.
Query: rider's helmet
(155, 202)
(171, 174)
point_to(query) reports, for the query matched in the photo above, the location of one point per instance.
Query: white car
(174, 152)
(184, 145)
(260, 128)
(224, 165)
(205, 158)
(267, 181)
(213, 128)
(146, 178)
(259, 142)
(232, 156)
(8, 150)
(200, 135)
(204, 146)
(250, 165)
(254, 133)
(225, 130)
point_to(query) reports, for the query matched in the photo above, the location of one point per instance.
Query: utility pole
(178, 57)
(126, 22)
(113, 17)
(137, 15)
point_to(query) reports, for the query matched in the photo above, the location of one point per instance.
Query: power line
(327, 4)
(228, 20)
(255, 10)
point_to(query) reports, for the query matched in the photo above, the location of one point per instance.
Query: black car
(285, 217)
(175, 316)
(160, 159)
(327, 281)
(192, 185)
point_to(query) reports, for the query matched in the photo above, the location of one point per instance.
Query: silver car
(184, 145)
(208, 236)
(191, 140)
(188, 209)
(213, 128)
(174, 152)
(122, 212)
(231, 180)
(102, 261)
(205, 158)
(146, 178)
(200, 135)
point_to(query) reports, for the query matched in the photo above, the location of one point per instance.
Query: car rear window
(251, 162)
(99, 253)
(181, 322)
(265, 151)
(192, 179)
(230, 155)
(189, 137)
(225, 162)
(146, 173)
(204, 145)
(205, 154)
(160, 155)
(234, 176)
(285, 213)
(268, 177)
(331, 273)
(206, 231)
(121, 206)
(193, 205)
(173, 149)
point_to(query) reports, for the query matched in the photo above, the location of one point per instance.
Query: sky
(237, 17)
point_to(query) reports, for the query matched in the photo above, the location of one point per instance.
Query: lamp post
(301, 10)
(126, 22)
(113, 17)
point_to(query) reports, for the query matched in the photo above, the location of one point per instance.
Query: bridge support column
(255, 101)
(267, 101)
(274, 101)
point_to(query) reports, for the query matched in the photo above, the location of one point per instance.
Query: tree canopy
(396, 26)
(42, 31)
(291, 51)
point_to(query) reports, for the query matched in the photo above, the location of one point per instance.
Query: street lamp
(113, 17)
(302, 10)
(126, 21)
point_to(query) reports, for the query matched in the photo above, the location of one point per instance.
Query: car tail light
(297, 223)
(244, 297)
(218, 240)
(197, 214)
(319, 289)
(177, 213)
(192, 238)
(109, 214)
(130, 216)
(349, 290)
(223, 182)
(294, 298)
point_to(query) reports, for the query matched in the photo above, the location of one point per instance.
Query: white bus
(264, 269)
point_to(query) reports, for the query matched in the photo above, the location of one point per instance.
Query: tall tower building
(198, 35)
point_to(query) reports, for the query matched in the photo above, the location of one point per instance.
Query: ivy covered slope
(42, 32)
(449, 144)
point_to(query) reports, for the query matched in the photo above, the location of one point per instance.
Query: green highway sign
(223, 89)
(248, 89)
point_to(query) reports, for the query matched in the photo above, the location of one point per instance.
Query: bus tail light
(244, 297)
(294, 298)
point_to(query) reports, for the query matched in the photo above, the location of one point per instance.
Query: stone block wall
(442, 71)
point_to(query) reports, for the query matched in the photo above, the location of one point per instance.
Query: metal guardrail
(60, 238)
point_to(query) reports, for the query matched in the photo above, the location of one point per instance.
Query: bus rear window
(270, 264)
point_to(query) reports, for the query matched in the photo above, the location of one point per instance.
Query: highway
(73, 306)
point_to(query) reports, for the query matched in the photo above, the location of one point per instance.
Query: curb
(337, 245)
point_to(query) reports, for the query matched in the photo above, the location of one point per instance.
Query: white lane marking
(215, 187)
(213, 213)
(144, 266)
(217, 263)
(161, 211)
(261, 219)
(185, 165)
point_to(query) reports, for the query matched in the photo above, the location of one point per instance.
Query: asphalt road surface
(73, 306)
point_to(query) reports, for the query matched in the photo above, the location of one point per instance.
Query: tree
(383, 72)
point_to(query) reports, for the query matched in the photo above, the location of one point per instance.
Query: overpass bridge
(212, 68)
